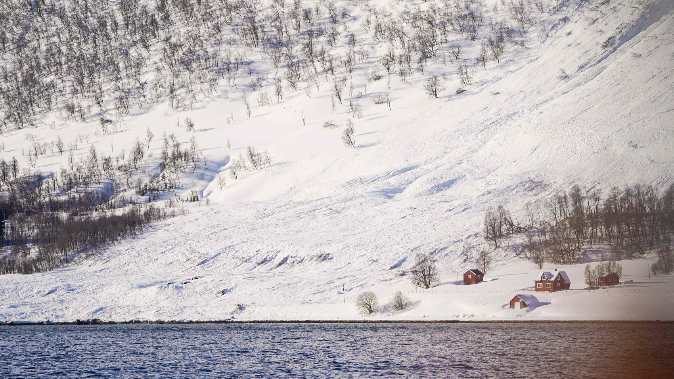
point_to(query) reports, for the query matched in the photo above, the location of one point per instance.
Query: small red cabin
(473, 276)
(608, 280)
(522, 301)
(548, 282)
(518, 303)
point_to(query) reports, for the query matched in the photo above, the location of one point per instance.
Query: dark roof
(564, 276)
(545, 275)
(476, 271)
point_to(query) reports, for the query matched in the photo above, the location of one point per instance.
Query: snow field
(284, 241)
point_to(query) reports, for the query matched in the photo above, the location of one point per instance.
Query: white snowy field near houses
(303, 238)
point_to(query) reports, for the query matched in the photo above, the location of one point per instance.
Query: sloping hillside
(583, 97)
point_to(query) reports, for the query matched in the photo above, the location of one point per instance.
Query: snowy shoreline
(232, 322)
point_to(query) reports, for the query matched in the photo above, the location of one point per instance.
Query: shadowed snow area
(304, 237)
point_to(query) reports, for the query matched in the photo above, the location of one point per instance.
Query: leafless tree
(496, 44)
(149, 136)
(483, 261)
(433, 86)
(59, 145)
(424, 273)
(400, 302)
(367, 302)
(464, 76)
(456, 51)
(591, 277)
(347, 136)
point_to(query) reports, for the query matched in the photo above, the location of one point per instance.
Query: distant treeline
(632, 220)
(55, 237)
(44, 220)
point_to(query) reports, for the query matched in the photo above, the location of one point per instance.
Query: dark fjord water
(545, 350)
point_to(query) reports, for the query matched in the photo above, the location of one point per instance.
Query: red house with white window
(546, 281)
(473, 276)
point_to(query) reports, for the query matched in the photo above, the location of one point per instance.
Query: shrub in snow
(253, 160)
(355, 109)
(562, 74)
(383, 98)
(665, 262)
(347, 137)
(424, 273)
(189, 124)
(367, 302)
(433, 86)
(400, 302)
(464, 75)
(456, 51)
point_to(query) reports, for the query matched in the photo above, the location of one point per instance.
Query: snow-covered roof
(545, 275)
(563, 274)
(528, 299)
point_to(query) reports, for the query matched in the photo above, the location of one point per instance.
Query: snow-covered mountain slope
(586, 100)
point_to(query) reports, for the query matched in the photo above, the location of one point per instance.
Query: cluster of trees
(601, 270)
(44, 218)
(175, 160)
(424, 274)
(82, 58)
(497, 223)
(632, 220)
(88, 59)
(368, 304)
(252, 161)
(55, 237)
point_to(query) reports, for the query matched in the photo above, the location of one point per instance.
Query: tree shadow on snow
(452, 283)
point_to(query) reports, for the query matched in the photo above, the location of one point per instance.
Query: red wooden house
(562, 281)
(548, 282)
(473, 276)
(544, 281)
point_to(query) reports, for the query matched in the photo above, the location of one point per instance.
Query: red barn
(473, 276)
(608, 280)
